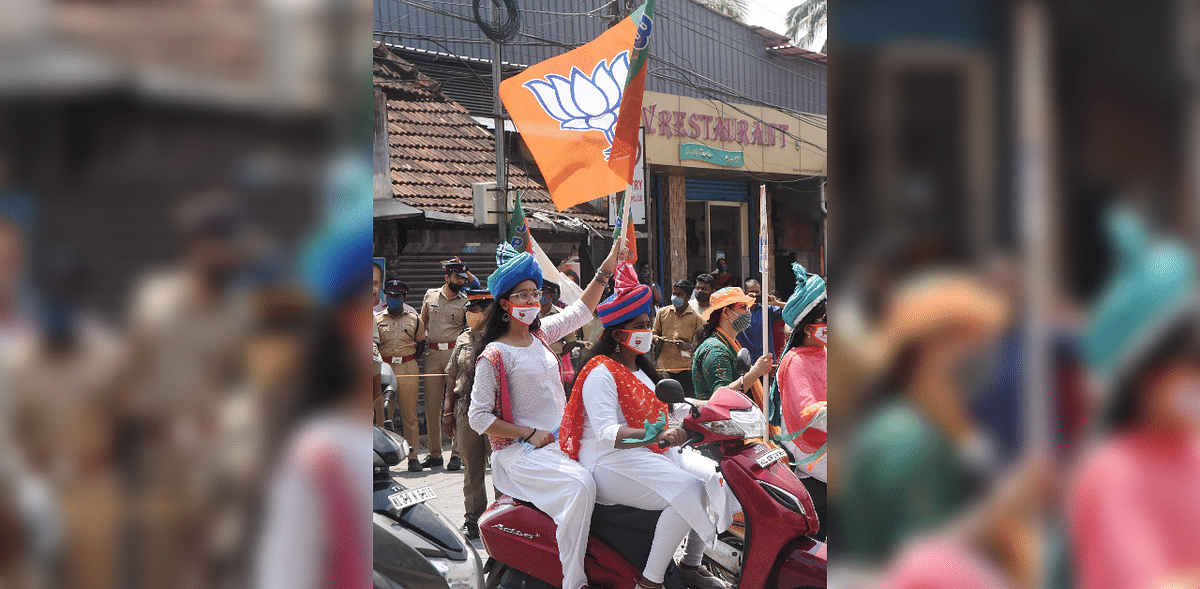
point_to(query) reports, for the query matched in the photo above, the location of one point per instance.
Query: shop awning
(388, 208)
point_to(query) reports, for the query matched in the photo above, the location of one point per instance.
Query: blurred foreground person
(68, 411)
(918, 457)
(1132, 507)
(28, 534)
(251, 423)
(317, 528)
(187, 335)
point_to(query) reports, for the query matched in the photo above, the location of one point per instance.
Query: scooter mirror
(744, 361)
(668, 390)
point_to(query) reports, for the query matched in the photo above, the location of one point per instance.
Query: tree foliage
(807, 19)
(734, 8)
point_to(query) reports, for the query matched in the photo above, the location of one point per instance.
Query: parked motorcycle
(415, 546)
(777, 551)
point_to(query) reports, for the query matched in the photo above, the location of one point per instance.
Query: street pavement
(449, 489)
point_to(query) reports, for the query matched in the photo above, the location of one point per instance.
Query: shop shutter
(423, 271)
(703, 189)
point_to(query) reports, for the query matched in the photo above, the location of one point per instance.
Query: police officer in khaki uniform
(401, 342)
(473, 445)
(444, 318)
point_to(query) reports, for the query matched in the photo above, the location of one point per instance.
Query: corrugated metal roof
(438, 151)
(695, 51)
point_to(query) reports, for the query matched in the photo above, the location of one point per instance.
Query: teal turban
(1153, 289)
(513, 268)
(810, 291)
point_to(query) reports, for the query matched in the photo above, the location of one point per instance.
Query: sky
(770, 14)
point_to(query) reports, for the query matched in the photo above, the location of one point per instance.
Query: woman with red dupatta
(612, 425)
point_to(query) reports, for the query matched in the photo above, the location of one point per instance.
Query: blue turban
(810, 290)
(513, 269)
(334, 262)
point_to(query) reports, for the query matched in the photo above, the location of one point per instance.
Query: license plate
(766, 459)
(411, 497)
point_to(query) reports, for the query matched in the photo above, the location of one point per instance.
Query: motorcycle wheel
(493, 571)
(732, 576)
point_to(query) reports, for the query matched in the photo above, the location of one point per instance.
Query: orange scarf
(638, 404)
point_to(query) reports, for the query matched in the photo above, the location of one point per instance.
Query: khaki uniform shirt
(461, 368)
(398, 336)
(685, 326)
(570, 337)
(444, 318)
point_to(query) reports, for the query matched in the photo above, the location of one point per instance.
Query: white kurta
(688, 481)
(546, 477)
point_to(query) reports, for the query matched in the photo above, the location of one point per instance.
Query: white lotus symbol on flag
(582, 102)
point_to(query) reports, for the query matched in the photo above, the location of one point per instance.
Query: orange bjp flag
(566, 109)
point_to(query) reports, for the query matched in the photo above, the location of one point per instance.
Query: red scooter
(779, 515)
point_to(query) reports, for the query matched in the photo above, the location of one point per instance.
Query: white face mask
(640, 340)
(526, 314)
(821, 334)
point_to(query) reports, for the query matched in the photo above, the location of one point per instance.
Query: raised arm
(595, 288)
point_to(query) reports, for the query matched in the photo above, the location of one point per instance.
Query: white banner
(638, 190)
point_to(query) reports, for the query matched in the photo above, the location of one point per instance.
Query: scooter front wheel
(502, 576)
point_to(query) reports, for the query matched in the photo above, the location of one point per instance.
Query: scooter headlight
(725, 427)
(747, 423)
(459, 574)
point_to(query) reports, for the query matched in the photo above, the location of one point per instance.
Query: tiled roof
(438, 151)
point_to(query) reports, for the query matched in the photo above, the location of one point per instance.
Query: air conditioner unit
(487, 204)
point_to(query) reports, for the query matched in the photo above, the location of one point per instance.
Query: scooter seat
(628, 530)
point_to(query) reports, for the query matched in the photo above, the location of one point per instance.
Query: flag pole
(764, 269)
(498, 114)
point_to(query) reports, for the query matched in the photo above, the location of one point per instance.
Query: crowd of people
(565, 421)
(178, 449)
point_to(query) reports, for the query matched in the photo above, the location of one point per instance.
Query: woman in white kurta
(513, 340)
(611, 402)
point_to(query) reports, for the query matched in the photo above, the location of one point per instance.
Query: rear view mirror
(668, 390)
(744, 361)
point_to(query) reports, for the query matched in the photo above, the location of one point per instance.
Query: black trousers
(685, 379)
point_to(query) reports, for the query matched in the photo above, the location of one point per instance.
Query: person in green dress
(918, 459)
(714, 365)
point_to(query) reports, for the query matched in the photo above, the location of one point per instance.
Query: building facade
(728, 108)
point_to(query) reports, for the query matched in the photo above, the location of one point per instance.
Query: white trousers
(560, 487)
(671, 482)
